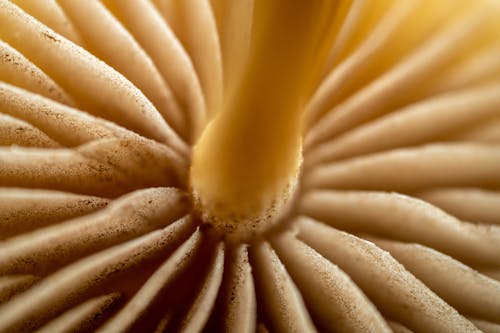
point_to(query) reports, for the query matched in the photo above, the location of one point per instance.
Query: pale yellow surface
(247, 160)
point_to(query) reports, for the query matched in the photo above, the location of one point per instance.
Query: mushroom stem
(246, 163)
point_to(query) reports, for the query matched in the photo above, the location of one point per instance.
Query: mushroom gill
(250, 165)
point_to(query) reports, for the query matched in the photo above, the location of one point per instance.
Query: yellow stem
(246, 162)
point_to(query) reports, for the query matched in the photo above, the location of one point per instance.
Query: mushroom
(251, 165)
